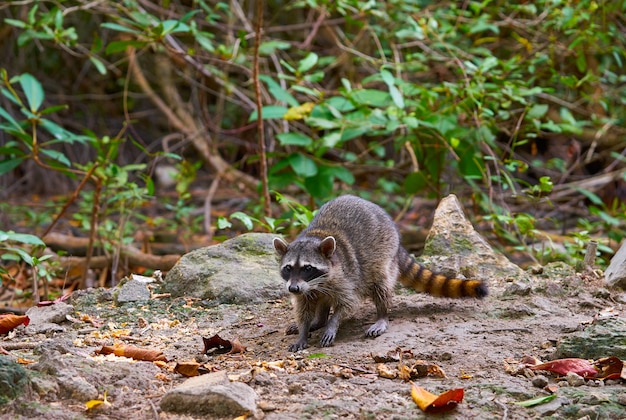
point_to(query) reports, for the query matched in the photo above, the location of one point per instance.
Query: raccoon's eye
(307, 268)
(286, 271)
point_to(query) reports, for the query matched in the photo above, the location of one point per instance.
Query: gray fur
(362, 263)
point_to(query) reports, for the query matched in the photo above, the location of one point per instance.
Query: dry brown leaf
(10, 321)
(219, 345)
(422, 368)
(133, 352)
(610, 368)
(385, 372)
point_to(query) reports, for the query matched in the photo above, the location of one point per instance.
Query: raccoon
(351, 251)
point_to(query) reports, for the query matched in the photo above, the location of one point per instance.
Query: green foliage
(298, 216)
(24, 247)
(403, 97)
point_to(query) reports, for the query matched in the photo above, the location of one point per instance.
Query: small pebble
(573, 379)
(540, 381)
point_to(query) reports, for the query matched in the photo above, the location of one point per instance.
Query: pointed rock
(615, 274)
(453, 246)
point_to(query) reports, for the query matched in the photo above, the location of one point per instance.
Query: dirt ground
(471, 341)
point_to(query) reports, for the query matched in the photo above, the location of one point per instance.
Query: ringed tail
(418, 277)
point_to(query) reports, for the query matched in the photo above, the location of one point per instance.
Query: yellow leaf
(98, 404)
(299, 112)
(422, 398)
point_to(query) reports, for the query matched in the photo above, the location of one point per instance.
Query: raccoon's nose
(294, 288)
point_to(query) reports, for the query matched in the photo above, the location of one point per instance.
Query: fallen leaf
(23, 361)
(52, 302)
(404, 372)
(610, 368)
(385, 372)
(431, 403)
(422, 369)
(93, 405)
(536, 401)
(133, 352)
(222, 346)
(581, 367)
(317, 356)
(9, 321)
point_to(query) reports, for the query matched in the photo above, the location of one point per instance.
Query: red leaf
(9, 321)
(581, 367)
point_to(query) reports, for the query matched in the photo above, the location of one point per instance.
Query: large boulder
(240, 270)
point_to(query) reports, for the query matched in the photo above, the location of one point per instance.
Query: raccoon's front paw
(327, 339)
(292, 329)
(298, 346)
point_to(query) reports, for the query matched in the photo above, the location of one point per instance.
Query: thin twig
(259, 106)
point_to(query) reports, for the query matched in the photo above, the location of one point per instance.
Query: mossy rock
(600, 339)
(13, 379)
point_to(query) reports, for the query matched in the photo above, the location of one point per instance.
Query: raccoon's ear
(280, 246)
(328, 246)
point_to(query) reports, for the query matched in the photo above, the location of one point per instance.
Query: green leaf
(223, 223)
(16, 23)
(341, 173)
(205, 42)
(302, 165)
(120, 46)
(247, 221)
(270, 47)
(9, 164)
(537, 111)
(396, 96)
(278, 92)
(331, 139)
(307, 63)
(319, 186)
(56, 156)
(173, 26)
(24, 238)
(317, 356)
(371, 97)
(269, 112)
(536, 401)
(119, 28)
(322, 123)
(33, 91)
(11, 121)
(594, 198)
(296, 139)
(98, 64)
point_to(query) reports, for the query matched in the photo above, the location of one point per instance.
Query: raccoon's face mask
(304, 262)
